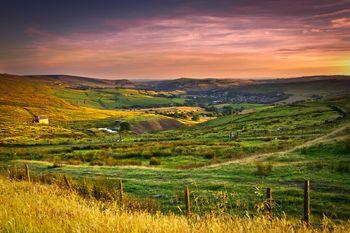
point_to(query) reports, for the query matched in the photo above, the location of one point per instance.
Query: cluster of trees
(228, 110)
(225, 110)
(180, 114)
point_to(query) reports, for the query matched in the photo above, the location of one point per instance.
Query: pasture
(224, 175)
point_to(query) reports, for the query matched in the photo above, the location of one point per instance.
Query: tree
(195, 117)
(123, 127)
(228, 110)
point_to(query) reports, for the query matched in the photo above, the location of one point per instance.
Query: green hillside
(274, 145)
(113, 98)
(22, 98)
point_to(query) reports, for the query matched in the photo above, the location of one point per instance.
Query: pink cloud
(191, 46)
(341, 23)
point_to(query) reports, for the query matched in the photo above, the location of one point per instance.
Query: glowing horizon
(195, 40)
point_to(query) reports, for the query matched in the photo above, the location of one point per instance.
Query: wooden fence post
(121, 191)
(269, 201)
(67, 182)
(307, 202)
(27, 172)
(187, 202)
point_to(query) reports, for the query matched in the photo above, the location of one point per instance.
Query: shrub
(110, 161)
(263, 169)
(74, 162)
(55, 165)
(154, 161)
(303, 151)
(343, 167)
(195, 117)
(146, 154)
(210, 155)
(96, 163)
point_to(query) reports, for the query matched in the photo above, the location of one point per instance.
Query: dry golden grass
(21, 98)
(27, 207)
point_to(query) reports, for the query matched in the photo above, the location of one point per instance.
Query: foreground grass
(235, 188)
(30, 207)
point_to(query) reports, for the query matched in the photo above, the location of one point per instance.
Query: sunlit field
(30, 207)
(75, 167)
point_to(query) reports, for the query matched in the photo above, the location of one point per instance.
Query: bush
(146, 154)
(195, 117)
(96, 163)
(154, 161)
(74, 162)
(263, 169)
(55, 165)
(210, 155)
(343, 167)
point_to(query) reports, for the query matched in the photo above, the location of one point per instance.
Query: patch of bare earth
(156, 125)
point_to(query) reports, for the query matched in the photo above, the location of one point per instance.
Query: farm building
(41, 120)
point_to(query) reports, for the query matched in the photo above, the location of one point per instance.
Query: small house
(41, 120)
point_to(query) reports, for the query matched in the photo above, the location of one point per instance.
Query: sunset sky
(173, 38)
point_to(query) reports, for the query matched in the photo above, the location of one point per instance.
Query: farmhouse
(41, 120)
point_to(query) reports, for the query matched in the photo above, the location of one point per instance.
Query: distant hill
(82, 82)
(180, 83)
(195, 84)
(207, 84)
(103, 93)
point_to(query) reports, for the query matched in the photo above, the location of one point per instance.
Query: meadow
(197, 157)
(51, 209)
(112, 98)
(277, 145)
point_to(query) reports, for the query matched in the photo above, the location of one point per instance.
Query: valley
(284, 131)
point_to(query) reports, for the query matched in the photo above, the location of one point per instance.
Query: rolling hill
(22, 98)
(206, 91)
(279, 144)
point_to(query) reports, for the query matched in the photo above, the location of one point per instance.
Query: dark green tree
(195, 117)
(123, 127)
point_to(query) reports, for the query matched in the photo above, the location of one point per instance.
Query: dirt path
(261, 156)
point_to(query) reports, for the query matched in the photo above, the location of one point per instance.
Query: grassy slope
(21, 98)
(267, 130)
(257, 131)
(109, 98)
(305, 89)
(37, 208)
(322, 163)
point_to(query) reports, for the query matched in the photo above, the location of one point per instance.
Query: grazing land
(226, 140)
(51, 209)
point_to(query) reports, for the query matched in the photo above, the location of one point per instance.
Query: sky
(160, 39)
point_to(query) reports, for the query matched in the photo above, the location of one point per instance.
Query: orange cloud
(192, 46)
(340, 23)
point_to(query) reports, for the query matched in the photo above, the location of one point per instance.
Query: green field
(108, 98)
(277, 145)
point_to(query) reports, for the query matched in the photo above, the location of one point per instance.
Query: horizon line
(176, 78)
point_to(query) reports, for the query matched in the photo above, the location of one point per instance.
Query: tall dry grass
(27, 207)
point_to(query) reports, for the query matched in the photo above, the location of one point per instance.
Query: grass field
(109, 98)
(239, 182)
(68, 121)
(51, 209)
(191, 157)
(276, 145)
